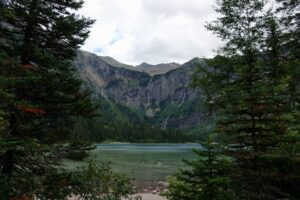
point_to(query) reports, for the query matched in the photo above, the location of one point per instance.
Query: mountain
(138, 95)
(157, 69)
(143, 67)
(111, 61)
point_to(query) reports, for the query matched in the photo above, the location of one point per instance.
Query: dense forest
(41, 97)
(98, 131)
(111, 126)
(252, 85)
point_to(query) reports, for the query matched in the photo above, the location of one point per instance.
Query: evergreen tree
(248, 85)
(289, 11)
(290, 20)
(41, 95)
(208, 178)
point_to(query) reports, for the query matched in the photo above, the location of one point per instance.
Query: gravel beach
(150, 196)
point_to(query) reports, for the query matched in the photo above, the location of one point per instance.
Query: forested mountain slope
(125, 93)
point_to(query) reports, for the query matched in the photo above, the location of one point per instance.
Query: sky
(152, 31)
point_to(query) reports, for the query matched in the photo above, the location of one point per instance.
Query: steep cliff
(163, 100)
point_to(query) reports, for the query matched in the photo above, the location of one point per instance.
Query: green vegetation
(91, 181)
(97, 131)
(120, 123)
(252, 86)
(40, 99)
(207, 178)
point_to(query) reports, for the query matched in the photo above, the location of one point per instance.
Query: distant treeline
(99, 131)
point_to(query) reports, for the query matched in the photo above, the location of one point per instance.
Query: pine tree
(248, 85)
(43, 95)
(207, 178)
(289, 11)
(290, 20)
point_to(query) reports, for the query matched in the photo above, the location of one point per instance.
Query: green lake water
(147, 163)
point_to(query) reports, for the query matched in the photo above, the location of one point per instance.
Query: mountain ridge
(161, 100)
(158, 68)
(151, 69)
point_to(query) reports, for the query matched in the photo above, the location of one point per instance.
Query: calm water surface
(147, 163)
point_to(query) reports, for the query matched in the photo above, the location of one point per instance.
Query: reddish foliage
(20, 198)
(35, 111)
(7, 62)
(13, 78)
(28, 67)
(262, 107)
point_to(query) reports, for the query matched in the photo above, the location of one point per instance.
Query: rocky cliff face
(162, 100)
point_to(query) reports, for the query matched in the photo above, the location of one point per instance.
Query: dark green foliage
(90, 182)
(40, 93)
(249, 86)
(290, 19)
(78, 150)
(207, 179)
(97, 130)
(123, 124)
(289, 11)
(106, 185)
(276, 176)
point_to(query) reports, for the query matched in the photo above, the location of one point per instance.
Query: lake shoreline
(148, 163)
(115, 142)
(148, 196)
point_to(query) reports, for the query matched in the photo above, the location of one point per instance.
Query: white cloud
(153, 31)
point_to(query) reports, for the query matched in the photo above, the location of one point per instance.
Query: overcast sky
(153, 31)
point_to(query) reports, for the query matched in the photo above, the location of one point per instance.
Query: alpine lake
(148, 164)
